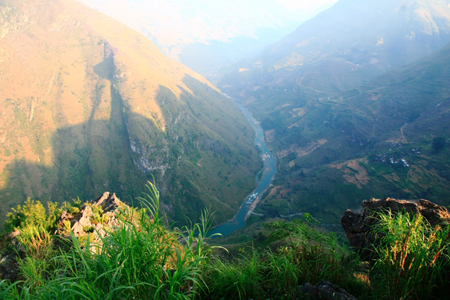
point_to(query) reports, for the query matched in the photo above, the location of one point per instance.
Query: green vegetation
(138, 260)
(184, 160)
(100, 121)
(438, 144)
(413, 258)
(401, 115)
(303, 255)
(142, 259)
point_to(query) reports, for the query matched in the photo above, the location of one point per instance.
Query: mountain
(340, 112)
(89, 105)
(376, 140)
(345, 46)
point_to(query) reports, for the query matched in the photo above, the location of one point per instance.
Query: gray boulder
(324, 290)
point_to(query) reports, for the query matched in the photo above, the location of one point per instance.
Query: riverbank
(262, 182)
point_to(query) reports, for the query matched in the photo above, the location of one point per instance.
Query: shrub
(32, 213)
(438, 144)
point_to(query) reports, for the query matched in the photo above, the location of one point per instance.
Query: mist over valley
(196, 149)
(352, 98)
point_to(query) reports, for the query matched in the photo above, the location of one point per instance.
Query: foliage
(413, 257)
(31, 213)
(300, 228)
(239, 279)
(139, 260)
(438, 144)
(142, 259)
(306, 255)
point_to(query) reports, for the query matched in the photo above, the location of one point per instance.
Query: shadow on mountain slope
(204, 157)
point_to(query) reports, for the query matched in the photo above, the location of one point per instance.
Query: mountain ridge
(206, 37)
(90, 104)
(369, 141)
(345, 46)
(364, 133)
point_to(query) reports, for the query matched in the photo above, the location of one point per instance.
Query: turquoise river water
(269, 170)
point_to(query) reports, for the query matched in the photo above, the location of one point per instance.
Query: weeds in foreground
(240, 279)
(141, 259)
(138, 260)
(413, 258)
(307, 256)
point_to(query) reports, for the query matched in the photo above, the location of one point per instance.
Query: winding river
(269, 170)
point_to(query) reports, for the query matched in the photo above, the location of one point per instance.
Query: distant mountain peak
(367, 37)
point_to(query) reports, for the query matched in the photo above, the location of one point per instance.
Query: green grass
(142, 259)
(413, 258)
(304, 255)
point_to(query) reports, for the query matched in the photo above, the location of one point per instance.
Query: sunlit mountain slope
(88, 105)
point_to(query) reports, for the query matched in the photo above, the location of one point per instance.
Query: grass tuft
(413, 258)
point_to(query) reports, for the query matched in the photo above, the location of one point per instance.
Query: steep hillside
(379, 139)
(326, 130)
(345, 46)
(89, 105)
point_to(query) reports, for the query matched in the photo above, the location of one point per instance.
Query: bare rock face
(357, 225)
(83, 222)
(323, 290)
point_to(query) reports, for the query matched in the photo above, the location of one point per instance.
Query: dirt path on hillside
(402, 135)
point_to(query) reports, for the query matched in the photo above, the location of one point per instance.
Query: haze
(230, 29)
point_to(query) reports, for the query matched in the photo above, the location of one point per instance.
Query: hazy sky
(306, 4)
(181, 21)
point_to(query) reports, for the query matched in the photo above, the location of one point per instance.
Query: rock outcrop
(357, 225)
(323, 290)
(95, 219)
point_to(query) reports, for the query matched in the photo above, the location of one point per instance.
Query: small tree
(438, 144)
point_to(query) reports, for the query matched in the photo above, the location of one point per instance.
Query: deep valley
(313, 164)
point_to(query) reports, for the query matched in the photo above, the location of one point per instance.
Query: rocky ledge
(103, 219)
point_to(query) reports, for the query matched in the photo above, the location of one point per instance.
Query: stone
(9, 268)
(110, 205)
(357, 225)
(109, 202)
(113, 222)
(78, 230)
(323, 290)
(102, 198)
(85, 219)
(100, 231)
(64, 216)
(14, 234)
